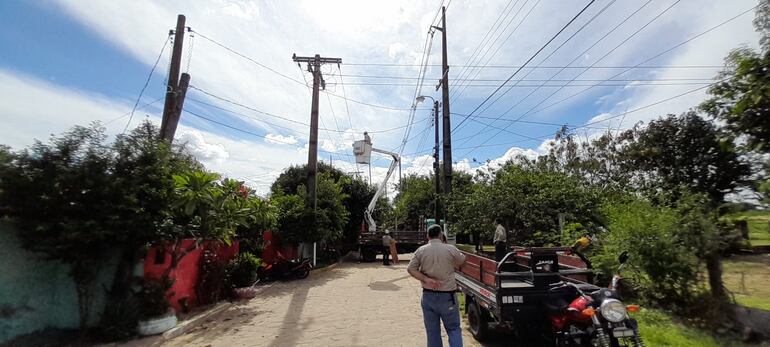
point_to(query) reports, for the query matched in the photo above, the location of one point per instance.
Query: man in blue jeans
(434, 265)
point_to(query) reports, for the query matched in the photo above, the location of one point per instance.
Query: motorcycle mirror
(623, 257)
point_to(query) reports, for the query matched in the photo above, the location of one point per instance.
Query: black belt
(439, 291)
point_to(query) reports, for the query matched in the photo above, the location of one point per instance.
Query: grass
(472, 248)
(759, 231)
(747, 277)
(658, 328)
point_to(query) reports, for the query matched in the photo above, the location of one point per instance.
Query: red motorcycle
(596, 319)
(283, 268)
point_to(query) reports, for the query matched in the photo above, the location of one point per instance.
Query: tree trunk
(714, 267)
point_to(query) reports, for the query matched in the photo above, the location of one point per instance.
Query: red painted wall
(185, 275)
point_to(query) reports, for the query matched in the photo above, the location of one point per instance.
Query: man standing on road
(434, 266)
(386, 248)
(501, 249)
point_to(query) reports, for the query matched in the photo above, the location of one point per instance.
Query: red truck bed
(484, 270)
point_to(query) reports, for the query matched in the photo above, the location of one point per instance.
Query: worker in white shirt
(500, 240)
(386, 239)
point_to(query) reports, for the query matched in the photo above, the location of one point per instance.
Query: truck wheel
(478, 321)
(368, 255)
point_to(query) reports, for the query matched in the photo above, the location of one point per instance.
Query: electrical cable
(253, 133)
(146, 82)
(530, 59)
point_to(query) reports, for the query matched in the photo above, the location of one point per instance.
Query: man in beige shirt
(434, 266)
(501, 247)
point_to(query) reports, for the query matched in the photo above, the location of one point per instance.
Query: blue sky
(73, 62)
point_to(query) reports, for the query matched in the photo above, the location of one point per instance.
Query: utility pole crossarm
(317, 59)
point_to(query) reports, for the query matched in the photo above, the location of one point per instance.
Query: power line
(253, 133)
(544, 67)
(577, 56)
(596, 15)
(137, 108)
(643, 62)
(146, 82)
(637, 31)
(487, 85)
(470, 70)
(653, 57)
(254, 61)
(267, 113)
(533, 80)
(604, 56)
(528, 60)
(345, 94)
(587, 125)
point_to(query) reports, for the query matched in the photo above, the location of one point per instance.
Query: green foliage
(663, 244)
(212, 276)
(415, 201)
(209, 208)
(355, 195)
(685, 151)
(153, 297)
(529, 200)
(242, 270)
(299, 222)
(60, 195)
(742, 99)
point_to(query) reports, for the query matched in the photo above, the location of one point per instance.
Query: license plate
(622, 332)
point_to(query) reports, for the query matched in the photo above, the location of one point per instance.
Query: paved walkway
(350, 305)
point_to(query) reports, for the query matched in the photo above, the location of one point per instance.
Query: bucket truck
(370, 239)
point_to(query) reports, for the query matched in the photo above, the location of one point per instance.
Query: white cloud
(204, 151)
(241, 9)
(360, 32)
(280, 139)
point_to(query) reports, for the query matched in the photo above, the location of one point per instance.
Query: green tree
(61, 197)
(356, 195)
(685, 151)
(415, 201)
(742, 97)
(528, 199)
(299, 221)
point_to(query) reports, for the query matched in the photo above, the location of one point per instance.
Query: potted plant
(242, 274)
(156, 313)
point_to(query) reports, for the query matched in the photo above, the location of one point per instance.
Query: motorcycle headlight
(613, 310)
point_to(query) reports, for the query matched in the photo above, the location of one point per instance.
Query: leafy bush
(152, 297)
(663, 262)
(211, 277)
(242, 270)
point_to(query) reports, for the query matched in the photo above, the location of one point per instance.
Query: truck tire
(368, 255)
(478, 321)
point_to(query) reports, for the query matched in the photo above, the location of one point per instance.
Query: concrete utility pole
(444, 84)
(174, 93)
(314, 67)
(436, 172)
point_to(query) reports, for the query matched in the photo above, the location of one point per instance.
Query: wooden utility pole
(176, 112)
(445, 101)
(314, 67)
(173, 91)
(436, 172)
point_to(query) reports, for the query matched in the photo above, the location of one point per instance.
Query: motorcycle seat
(588, 288)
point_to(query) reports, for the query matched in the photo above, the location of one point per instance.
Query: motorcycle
(283, 268)
(598, 318)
